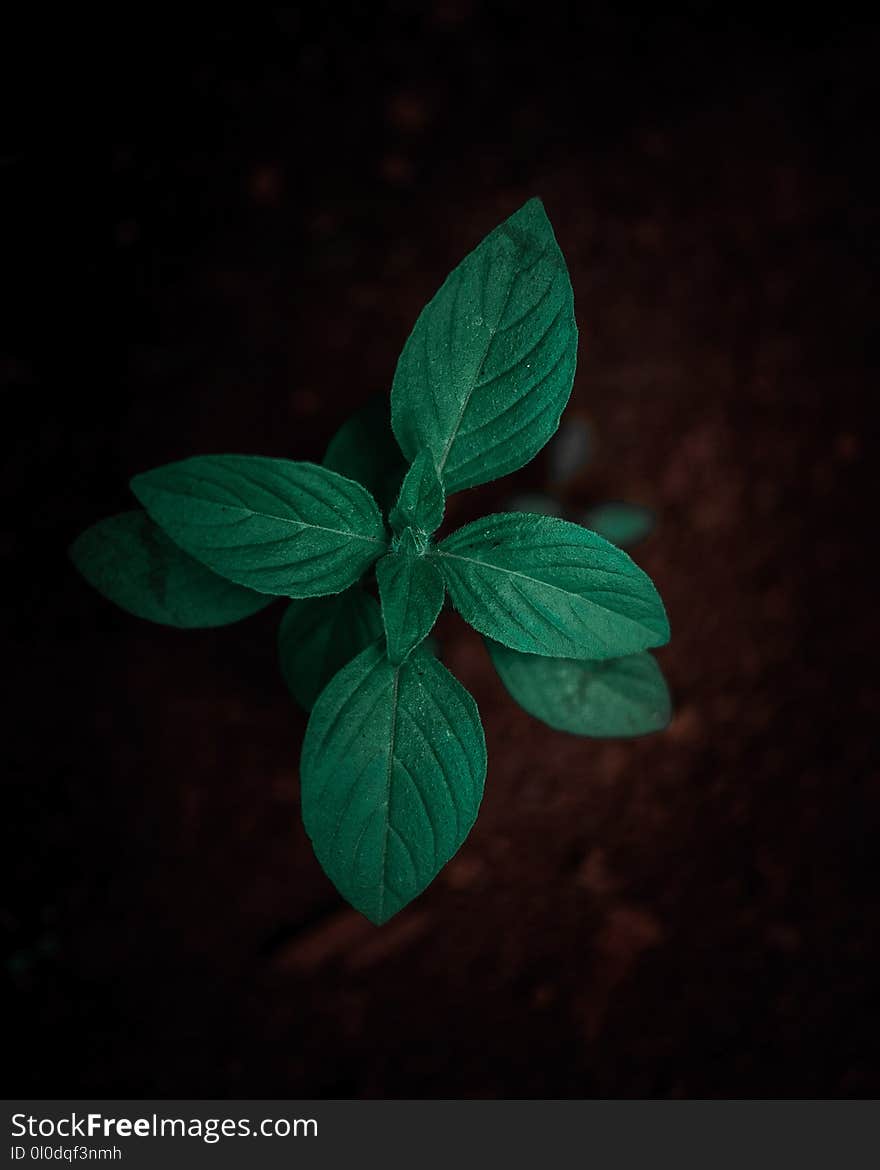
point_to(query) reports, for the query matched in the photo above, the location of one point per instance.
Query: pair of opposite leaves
(394, 757)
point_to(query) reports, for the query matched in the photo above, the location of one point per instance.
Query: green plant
(394, 757)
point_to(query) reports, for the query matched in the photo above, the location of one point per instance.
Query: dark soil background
(218, 239)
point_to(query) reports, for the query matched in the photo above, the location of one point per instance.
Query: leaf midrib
(248, 512)
(386, 820)
(514, 573)
(493, 329)
(556, 588)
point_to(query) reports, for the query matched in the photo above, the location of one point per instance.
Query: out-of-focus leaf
(619, 697)
(319, 635)
(571, 450)
(131, 561)
(622, 524)
(364, 449)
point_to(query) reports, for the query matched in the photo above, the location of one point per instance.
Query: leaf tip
(140, 485)
(77, 556)
(664, 633)
(376, 917)
(535, 206)
(532, 217)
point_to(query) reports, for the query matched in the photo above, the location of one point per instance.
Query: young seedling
(394, 757)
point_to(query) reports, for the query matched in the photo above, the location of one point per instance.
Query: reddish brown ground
(692, 914)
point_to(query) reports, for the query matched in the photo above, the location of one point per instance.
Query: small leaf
(364, 449)
(132, 562)
(620, 697)
(293, 529)
(489, 365)
(393, 766)
(546, 586)
(319, 635)
(622, 524)
(421, 502)
(571, 450)
(412, 590)
(535, 502)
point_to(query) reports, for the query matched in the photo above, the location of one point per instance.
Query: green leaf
(488, 368)
(293, 529)
(547, 586)
(364, 449)
(412, 590)
(421, 502)
(319, 635)
(132, 562)
(620, 697)
(393, 766)
(622, 524)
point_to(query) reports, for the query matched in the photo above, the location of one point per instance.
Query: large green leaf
(132, 562)
(411, 589)
(622, 524)
(488, 368)
(319, 635)
(620, 697)
(393, 766)
(421, 502)
(547, 586)
(364, 449)
(293, 529)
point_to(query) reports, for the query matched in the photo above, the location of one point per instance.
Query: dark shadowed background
(219, 236)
